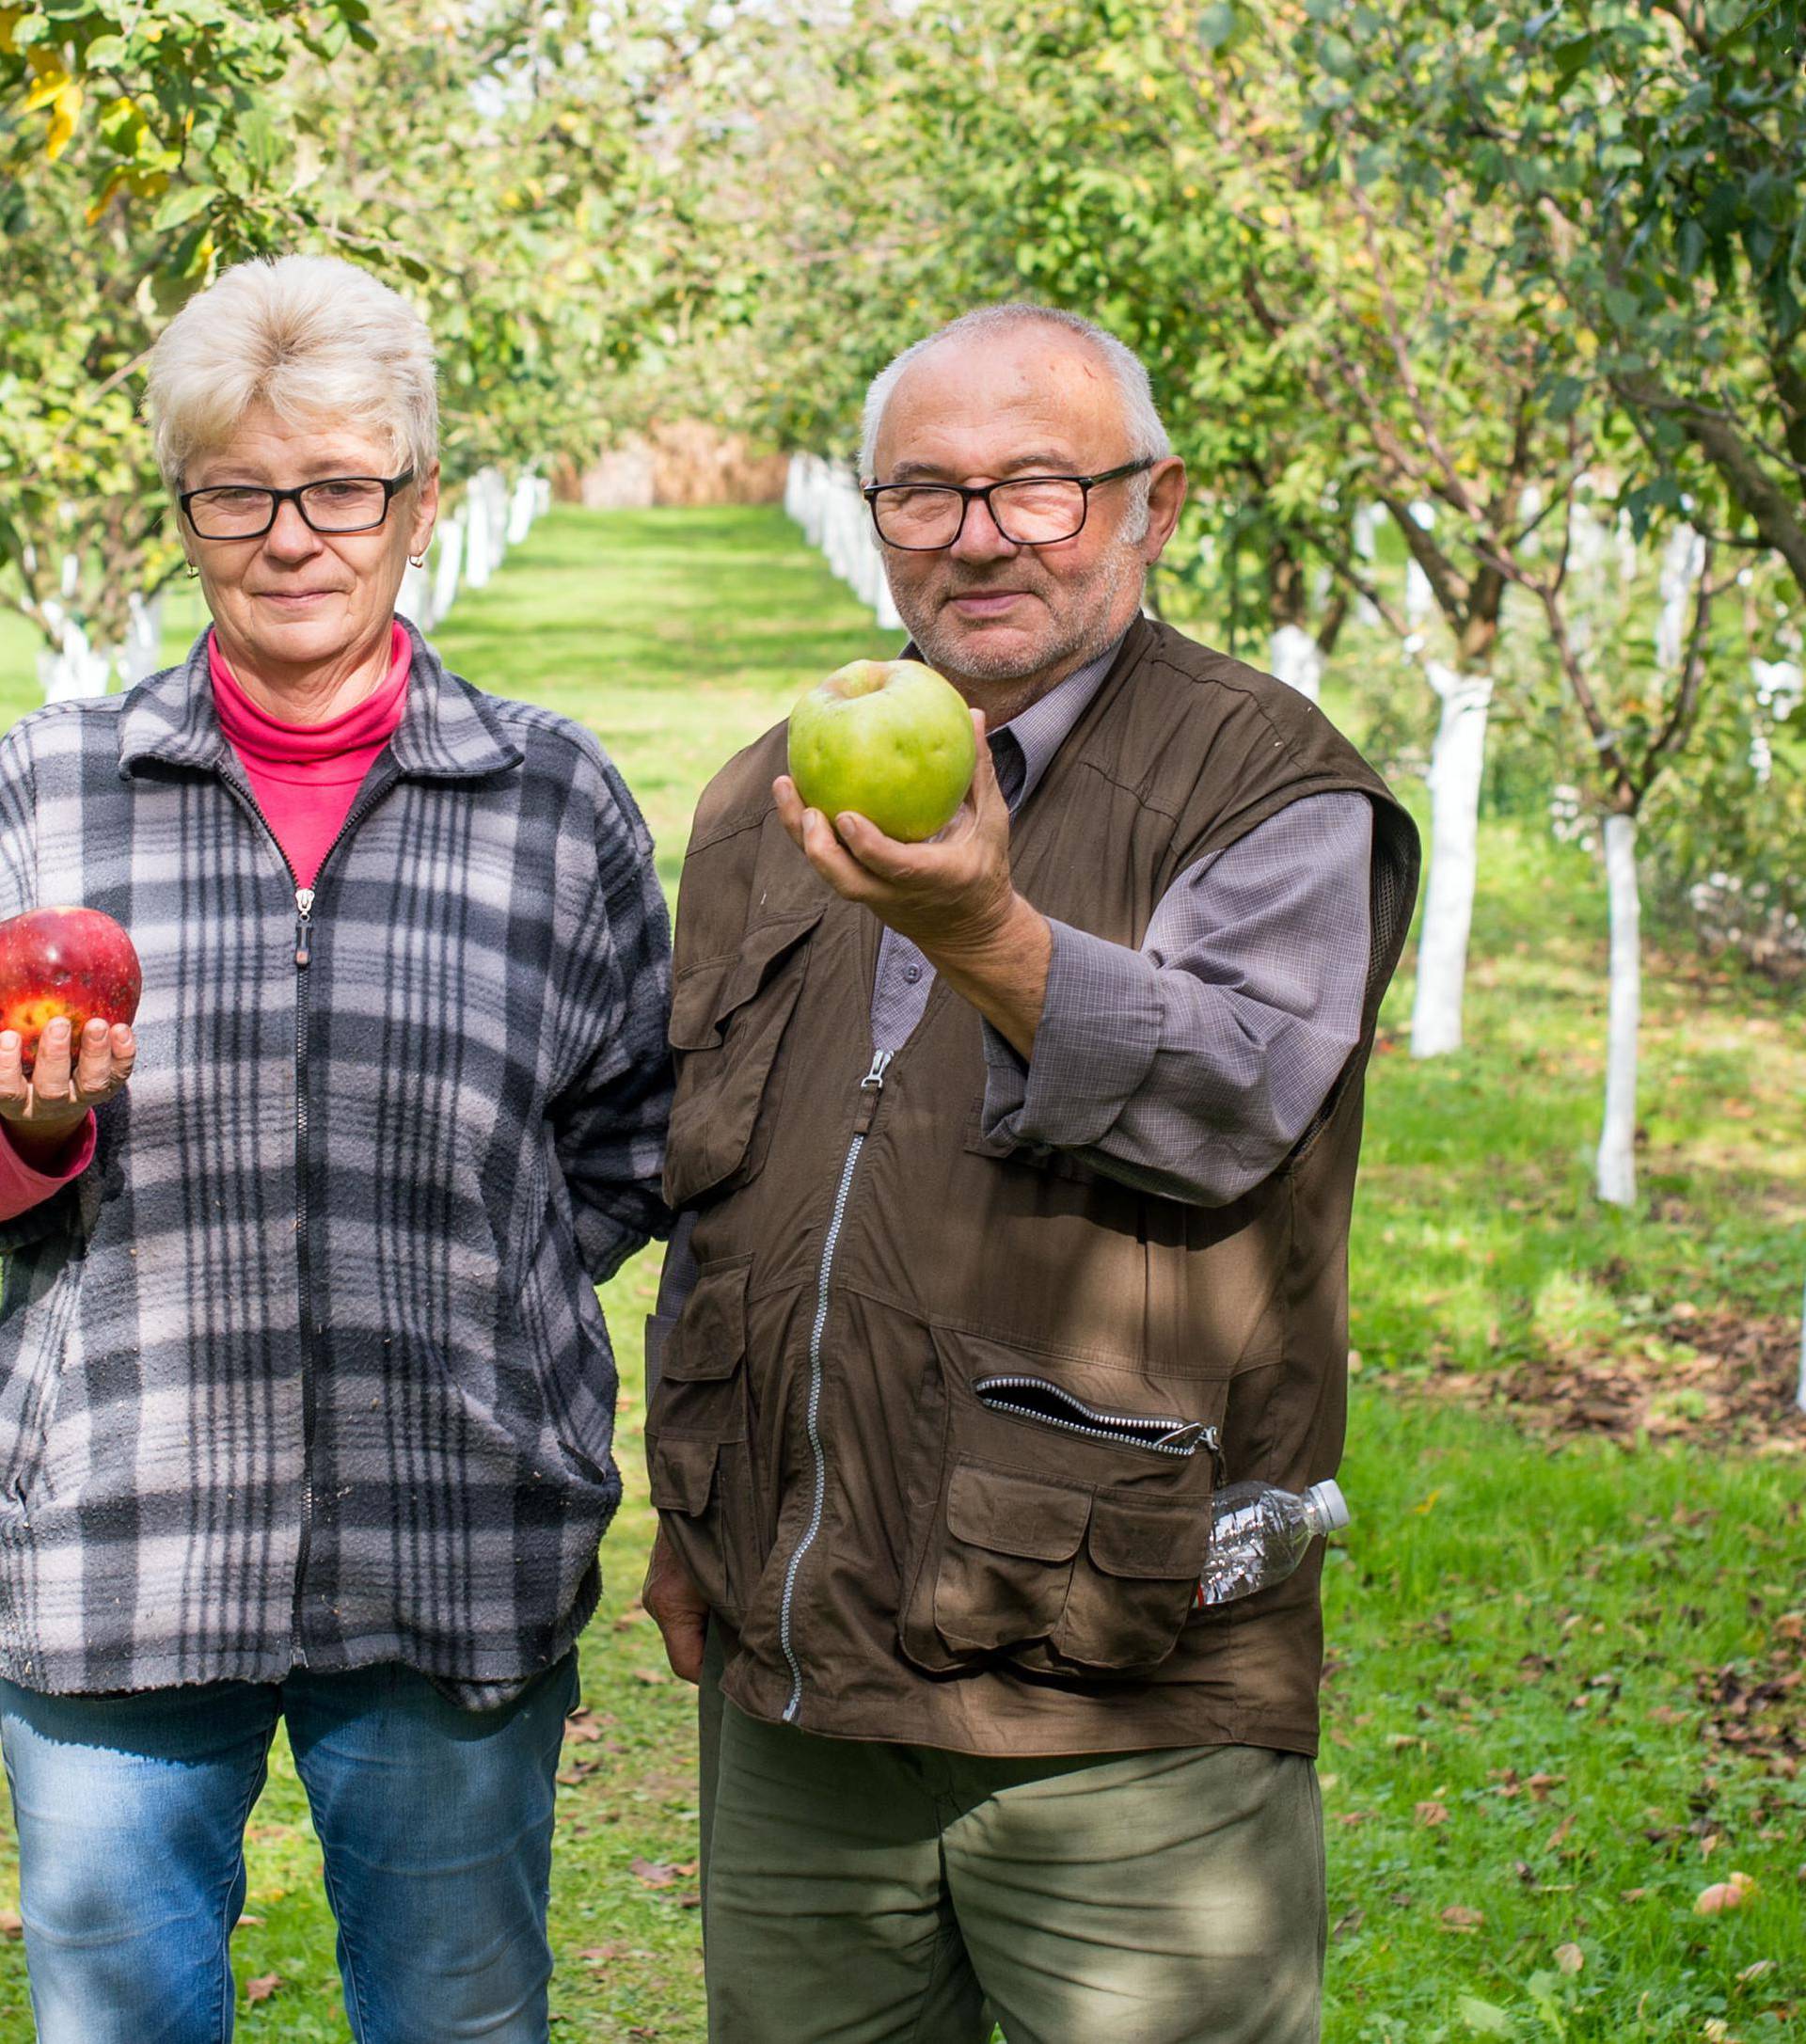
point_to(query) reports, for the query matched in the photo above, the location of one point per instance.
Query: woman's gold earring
(416, 561)
(193, 570)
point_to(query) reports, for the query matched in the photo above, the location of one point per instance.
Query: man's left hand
(952, 895)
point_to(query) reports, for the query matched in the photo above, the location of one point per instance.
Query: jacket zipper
(870, 1086)
(304, 897)
(1124, 1430)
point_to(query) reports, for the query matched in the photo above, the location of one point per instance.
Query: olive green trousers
(857, 1892)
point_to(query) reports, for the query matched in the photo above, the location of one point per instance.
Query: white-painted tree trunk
(478, 555)
(1363, 528)
(1683, 562)
(1799, 1395)
(1297, 659)
(1778, 689)
(523, 508)
(449, 567)
(142, 653)
(1618, 1136)
(1456, 767)
(414, 600)
(1419, 599)
(73, 669)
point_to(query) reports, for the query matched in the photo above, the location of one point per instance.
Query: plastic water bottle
(1259, 1536)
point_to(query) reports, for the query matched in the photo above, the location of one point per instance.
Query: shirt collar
(1044, 726)
(445, 731)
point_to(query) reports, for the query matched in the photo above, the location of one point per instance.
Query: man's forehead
(993, 401)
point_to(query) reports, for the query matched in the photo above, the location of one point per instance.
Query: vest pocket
(1071, 1518)
(698, 1452)
(727, 1022)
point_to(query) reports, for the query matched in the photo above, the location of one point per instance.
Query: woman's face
(295, 600)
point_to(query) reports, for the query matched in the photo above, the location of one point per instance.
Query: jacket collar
(447, 732)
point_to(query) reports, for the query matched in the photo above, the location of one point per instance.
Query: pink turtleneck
(306, 776)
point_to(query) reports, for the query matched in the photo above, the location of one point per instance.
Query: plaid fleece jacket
(307, 1366)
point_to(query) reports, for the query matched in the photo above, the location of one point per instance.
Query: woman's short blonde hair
(316, 340)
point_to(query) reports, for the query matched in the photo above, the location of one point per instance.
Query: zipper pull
(870, 1086)
(303, 913)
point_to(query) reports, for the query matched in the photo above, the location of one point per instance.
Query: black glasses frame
(390, 484)
(967, 493)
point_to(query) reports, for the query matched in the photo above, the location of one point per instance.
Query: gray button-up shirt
(1191, 1066)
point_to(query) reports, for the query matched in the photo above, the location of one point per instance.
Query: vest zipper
(870, 1086)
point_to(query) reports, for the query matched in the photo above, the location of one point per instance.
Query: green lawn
(1544, 1658)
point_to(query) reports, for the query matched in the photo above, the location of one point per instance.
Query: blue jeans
(436, 1824)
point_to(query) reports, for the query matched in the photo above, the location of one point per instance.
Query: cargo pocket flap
(682, 1472)
(709, 1340)
(1014, 1514)
(703, 997)
(1146, 1541)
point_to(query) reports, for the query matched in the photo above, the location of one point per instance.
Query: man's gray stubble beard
(1090, 636)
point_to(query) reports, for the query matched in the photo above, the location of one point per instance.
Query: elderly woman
(306, 1402)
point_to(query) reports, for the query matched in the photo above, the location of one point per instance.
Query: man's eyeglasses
(333, 505)
(1029, 511)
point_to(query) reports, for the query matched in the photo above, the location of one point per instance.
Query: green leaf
(1484, 2018)
(182, 204)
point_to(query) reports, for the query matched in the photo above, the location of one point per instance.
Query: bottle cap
(1331, 1506)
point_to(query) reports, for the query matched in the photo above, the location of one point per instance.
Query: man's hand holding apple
(952, 895)
(42, 1109)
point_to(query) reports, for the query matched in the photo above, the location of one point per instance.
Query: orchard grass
(1523, 1792)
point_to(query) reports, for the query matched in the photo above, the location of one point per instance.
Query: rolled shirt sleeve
(1190, 1067)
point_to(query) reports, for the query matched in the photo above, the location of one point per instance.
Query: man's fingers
(884, 856)
(685, 1635)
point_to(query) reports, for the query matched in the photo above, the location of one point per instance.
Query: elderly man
(1016, 1170)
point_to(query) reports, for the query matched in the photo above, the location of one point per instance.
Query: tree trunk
(73, 669)
(1455, 770)
(1618, 1137)
(1297, 659)
(142, 653)
(448, 567)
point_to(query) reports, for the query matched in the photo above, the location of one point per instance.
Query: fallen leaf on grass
(599, 1955)
(580, 1727)
(1458, 1917)
(662, 1873)
(11, 1924)
(1347, 1924)
(1756, 1971)
(262, 1986)
(1432, 1813)
(652, 1677)
(1724, 1894)
(1570, 1958)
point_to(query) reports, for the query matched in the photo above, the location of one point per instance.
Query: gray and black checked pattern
(308, 1366)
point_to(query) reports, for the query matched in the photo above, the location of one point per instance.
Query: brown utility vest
(937, 1430)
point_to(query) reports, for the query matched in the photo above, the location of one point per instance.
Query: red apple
(73, 962)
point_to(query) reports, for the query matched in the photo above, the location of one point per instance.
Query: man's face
(1002, 620)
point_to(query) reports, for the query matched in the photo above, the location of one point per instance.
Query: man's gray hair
(1148, 439)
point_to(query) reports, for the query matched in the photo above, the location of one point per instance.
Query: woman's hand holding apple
(41, 1109)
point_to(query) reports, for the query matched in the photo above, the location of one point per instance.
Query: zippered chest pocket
(1072, 1516)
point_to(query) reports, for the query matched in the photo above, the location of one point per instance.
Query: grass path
(1532, 1649)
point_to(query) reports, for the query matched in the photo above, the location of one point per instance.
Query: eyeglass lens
(1028, 514)
(342, 504)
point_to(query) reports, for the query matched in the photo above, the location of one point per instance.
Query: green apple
(889, 739)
